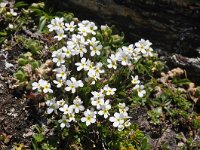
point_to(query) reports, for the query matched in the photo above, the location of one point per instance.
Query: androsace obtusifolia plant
(78, 64)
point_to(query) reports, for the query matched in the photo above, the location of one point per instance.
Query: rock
(191, 65)
(168, 138)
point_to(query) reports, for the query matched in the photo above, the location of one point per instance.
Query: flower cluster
(3, 7)
(144, 48)
(121, 118)
(84, 28)
(138, 87)
(68, 111)
(126, 54)
(78, 65)
(42, 86)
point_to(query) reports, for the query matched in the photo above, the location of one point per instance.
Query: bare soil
(17, 115)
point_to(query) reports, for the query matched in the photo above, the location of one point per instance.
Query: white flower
(95, 50)
(86, 27)
(135, 80)
(120, 120)
(61, 103)
(83, 29)
(143, 45)
(97, 102)
(60, 35)
(81, 65)
(117, 120)
(108, 90)
(85, 22)
(123, 109)
(93, 77)
(93, 41)
(93, 28)
(72, 84)
(71, 117)
(93, 74)
(57, 53)
(59, 20)
(104, 109)
(10, 26)
(64, 122)
(112, 62)
(77, 40)
(60, 24)
(104, 27)
(79, 83)
(66, 51)
(70, 26)
(52, 106)
(97, 95)
(53, 25)
(89, 117)
(66, 109)
(59, 59)
(46, 87)
(61, 72)
(36, 85)
(136, 55)
(89, 65)
(149, 52)
(77, 45)
(127, 123)
(124, 57)
(98, 69)
(58, 82)
(73, 42)
(56, 24)
(42, 85)
(121, 127)
(81, 49)
(12, 12)
(3, 4)
(77, 105)
(128, 49)
(81, 40)
(140, 90)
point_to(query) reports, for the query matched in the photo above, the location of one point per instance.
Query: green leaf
(20, 4)
(122, 93)
(37, 11)
(20, 75)
(181, 81)
(35, 145)
(22, 62)
(2, 39)
(116, 38)
(38, 128)
(145, 144)
(33, 45)
(38, 138)
(35, 64)
(42, 23)
(68, 17)
(3, 33)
